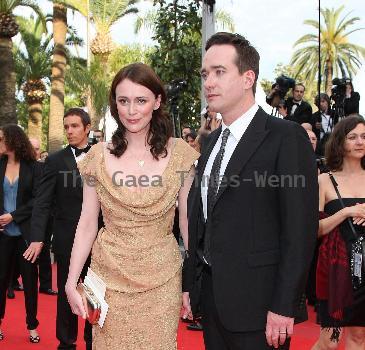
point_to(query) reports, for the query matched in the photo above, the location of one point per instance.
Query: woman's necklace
(140, 160)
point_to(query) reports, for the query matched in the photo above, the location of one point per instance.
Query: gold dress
(137, 255)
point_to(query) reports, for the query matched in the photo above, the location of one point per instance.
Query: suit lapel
(205, 156)
(250, 141)
(3, 163)
(70, 159)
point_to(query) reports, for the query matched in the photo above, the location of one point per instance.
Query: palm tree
(33, 65)
(338, 55)
(105, 13)
(223, 19)
(8, 29)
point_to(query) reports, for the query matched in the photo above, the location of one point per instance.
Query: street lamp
(208, 29)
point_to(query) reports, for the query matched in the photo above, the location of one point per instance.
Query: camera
(284, 83)
(174, 88)
(339, 89)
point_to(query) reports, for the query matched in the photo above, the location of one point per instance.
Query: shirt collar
(239, 126)
(299, 102)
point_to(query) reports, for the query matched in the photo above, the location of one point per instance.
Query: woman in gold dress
(136, 179)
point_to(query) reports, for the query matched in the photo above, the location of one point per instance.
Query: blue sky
(272, 26)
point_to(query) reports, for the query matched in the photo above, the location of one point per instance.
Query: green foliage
(34, 56)
(178, 54)
(126, 54)
(8, 6)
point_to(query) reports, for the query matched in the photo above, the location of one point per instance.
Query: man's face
(323, 106)
(98, 135)
(37, 147)
(75, 131)
(224, 87)
(298, 93)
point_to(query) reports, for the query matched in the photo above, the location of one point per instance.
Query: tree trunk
(35, 120)
(57, 108)
(329, 74)
(91, 109)
(7, 83)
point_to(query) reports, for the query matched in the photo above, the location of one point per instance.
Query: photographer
(298, 110)
(352, 99)
(323, 121)
(276, 97)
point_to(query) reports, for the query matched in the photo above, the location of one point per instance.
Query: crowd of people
(251, 205)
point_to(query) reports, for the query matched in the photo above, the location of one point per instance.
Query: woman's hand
(357, 213)
(186, 308)
(76, 301)
(5, 219)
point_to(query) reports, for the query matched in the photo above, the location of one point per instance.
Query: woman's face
(135, 104)
(3, 148)
(355, 142)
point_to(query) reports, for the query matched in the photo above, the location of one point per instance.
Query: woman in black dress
(338, 309)
(19, 174)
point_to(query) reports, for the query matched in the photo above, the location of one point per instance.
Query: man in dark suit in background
(298, 110)
(61, 189)
(252, 211)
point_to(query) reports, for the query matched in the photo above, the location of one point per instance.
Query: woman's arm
(328, 224)
(86, 232)
(183, 204)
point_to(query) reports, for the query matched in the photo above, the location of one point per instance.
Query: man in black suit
(298, 110)
(61, 189)
(252, 211)
(323, 122)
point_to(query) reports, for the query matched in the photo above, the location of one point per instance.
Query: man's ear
(249, 79)
(88, 128)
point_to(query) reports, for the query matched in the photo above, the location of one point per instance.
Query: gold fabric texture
(137, 255)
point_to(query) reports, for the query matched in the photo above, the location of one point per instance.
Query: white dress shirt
(81, 156)
(326, 124)
(294, 107)
(237, 129)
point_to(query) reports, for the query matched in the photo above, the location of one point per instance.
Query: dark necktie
(213, 186)
(79, 151)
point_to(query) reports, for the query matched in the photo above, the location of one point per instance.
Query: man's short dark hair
(85, 118)
(247, 56)
(299, 84)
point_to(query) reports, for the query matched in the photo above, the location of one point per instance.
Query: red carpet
(16, 334)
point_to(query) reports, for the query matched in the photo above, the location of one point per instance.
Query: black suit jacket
(29, 175)
(262, 232)
(351, 105)
(60, 192)
(302, 114)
